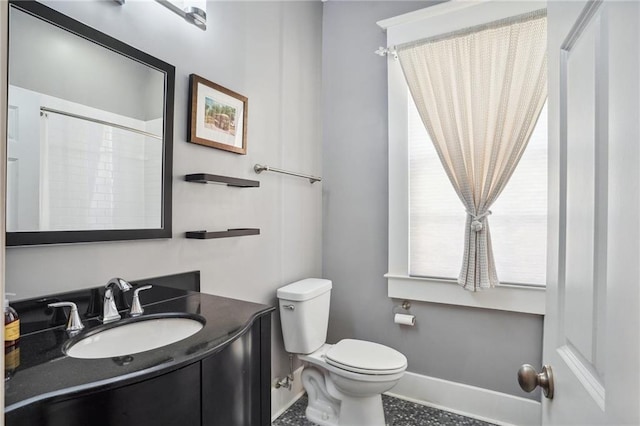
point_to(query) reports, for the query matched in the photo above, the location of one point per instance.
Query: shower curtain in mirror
(479, 93)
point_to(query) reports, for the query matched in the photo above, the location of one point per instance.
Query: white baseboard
(470, 401)
(282, 398)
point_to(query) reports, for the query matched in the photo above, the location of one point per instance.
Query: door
(591, 326)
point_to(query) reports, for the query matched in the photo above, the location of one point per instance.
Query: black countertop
(46, 373)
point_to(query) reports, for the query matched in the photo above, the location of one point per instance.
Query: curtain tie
(476, 221)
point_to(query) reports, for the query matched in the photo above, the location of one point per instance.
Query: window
(436, 280)
(437, 217)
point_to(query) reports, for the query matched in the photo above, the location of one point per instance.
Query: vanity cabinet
(229, 387)
(170, 399)
(235, 388)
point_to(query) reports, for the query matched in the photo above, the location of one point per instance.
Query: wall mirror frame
(161, 176)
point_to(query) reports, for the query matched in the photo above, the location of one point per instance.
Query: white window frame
(434, 20)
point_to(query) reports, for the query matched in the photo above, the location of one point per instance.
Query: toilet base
(322, 408)
(362, 411)
(329, 407)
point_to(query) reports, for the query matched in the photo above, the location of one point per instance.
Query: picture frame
(217, 116)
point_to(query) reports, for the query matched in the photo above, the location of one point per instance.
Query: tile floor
(397, 411)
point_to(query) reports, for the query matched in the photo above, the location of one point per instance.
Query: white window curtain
(479, 93)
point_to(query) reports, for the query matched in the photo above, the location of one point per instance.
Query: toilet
(344, 382)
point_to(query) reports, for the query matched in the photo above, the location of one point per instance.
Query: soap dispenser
(11, 324)
(11, 337)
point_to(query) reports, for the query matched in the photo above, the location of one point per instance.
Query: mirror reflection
(86, 127)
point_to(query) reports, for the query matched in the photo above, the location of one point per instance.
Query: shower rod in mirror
(45, 110)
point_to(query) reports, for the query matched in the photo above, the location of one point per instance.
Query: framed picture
(217, 116)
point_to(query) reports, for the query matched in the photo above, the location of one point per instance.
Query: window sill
(530, 300)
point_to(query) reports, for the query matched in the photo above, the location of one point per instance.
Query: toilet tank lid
(304, 289)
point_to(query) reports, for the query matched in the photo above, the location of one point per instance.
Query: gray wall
(478, 347)
(269, 52)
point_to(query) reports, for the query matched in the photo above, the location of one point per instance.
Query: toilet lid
(365, 357)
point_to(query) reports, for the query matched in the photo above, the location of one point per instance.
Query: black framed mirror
(90, 133)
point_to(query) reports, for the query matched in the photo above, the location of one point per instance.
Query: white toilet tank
(304, 314)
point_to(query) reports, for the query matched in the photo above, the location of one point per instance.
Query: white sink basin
(134, 337)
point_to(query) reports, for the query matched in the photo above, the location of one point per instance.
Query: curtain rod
(511, 20)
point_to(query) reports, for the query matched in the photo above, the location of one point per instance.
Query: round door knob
(529, 379)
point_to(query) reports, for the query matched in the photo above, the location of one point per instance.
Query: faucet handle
(74, 324)
(136, 308)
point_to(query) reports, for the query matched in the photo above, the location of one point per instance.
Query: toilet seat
(360, 356)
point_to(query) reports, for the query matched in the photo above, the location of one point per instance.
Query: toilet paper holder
(402, 315)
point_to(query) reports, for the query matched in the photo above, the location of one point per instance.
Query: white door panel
(584, 80)
(591, 327)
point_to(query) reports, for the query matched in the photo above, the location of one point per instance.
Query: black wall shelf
(230, 181)
(239, 232)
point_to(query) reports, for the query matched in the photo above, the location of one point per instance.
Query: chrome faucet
(109, 308)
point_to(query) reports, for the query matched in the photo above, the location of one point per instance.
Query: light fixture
(193, 11)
